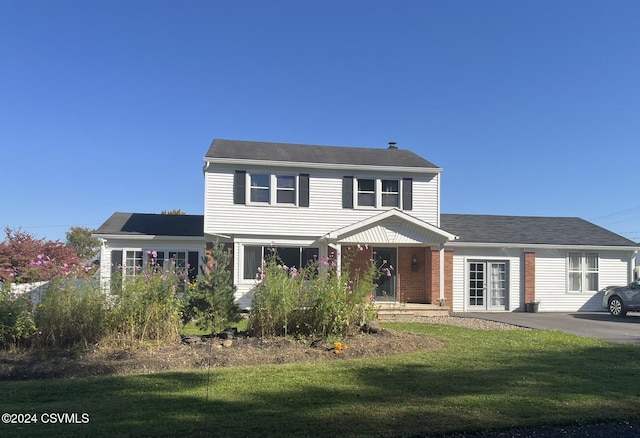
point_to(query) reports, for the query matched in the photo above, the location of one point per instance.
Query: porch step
(406, 311)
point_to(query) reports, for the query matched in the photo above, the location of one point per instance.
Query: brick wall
(412, 285)
(529, 277)
(434, 276)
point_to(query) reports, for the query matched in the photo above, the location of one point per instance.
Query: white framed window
(290, 256)
(390, 193)
(133, 262)
(583, 272)
(372, 192)
(272, 189)
(366, 195)
(259, 187)
(285, 189)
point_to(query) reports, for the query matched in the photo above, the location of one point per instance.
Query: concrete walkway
(598, 325)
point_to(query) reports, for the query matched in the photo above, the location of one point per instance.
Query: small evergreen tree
(211, 302)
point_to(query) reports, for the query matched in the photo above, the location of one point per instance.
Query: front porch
(415, 268)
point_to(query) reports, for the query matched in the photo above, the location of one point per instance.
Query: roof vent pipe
(392, 145)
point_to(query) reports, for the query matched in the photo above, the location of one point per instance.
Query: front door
(387, 281)
(488, 285)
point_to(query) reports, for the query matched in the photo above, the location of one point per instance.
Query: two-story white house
(319, 201)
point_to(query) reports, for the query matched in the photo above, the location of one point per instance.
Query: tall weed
(71, 313)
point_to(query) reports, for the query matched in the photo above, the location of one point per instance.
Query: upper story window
(390, 193)
(285, 189)
(370, 192)
(582, 272)
(367, 192)
(271, 189)
(259, 187)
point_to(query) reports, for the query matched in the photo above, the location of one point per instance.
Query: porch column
(338, 249)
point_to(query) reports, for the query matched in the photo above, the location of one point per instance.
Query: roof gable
(530, 230)
(138, 224)
(236, 151)
(390, 227)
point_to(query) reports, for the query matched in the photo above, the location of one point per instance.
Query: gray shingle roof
(153, 224)
(530, 230)
(298, 153)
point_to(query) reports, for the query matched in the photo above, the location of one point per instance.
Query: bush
(70, 313)
(210, 302)
(315, 301)
(17, 327)
(146, 308)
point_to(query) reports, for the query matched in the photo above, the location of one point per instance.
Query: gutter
(323, 166)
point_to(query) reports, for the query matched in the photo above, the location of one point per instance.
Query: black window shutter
(347, 192)
(193, 261)
(407, 193)
(239, 189)
(304, 190)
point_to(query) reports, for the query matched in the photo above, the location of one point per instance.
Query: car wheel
(616, 307)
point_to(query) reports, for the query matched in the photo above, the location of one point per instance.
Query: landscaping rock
(372, 327)
(227, 343)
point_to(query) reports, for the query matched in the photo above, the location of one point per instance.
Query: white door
(488, 285)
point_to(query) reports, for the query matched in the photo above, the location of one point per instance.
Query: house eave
(331, 166)
(148, 237)
(458, 244)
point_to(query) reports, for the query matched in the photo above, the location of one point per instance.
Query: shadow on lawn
(396, 398)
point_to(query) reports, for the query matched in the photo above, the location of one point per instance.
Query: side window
(252, 261)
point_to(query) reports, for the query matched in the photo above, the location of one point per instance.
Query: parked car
(619, 300)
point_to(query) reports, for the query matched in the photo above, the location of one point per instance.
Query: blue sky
(530, 107)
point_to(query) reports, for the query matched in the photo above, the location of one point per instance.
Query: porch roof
(390, 227)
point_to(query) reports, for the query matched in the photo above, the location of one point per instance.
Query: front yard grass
(481, 380)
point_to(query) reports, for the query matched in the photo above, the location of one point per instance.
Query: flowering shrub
(315, 300)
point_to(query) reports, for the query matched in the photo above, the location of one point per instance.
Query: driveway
(599, 325)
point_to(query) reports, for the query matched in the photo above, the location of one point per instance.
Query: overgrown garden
(153, 305)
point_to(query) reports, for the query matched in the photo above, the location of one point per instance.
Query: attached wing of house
(310, 202)
(129, 241)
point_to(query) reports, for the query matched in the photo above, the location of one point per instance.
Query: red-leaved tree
(23, 258)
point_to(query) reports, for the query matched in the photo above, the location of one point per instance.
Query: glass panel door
(387, 281)
(488, 286)
(477, 286)
(497, 285)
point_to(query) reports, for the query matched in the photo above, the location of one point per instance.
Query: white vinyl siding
(324, 214)
(552, 280)
(461, 257)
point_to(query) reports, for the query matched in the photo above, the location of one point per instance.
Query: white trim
(146, 237)
(323, 166)
(540, 246)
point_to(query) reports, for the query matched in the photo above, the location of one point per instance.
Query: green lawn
(480, 380)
